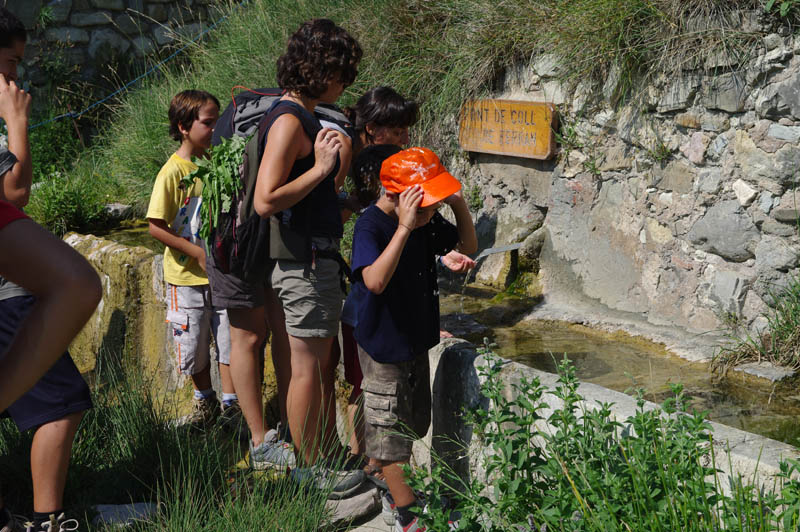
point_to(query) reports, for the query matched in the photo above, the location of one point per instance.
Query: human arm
(345, 158)
(378, 274)
(160, 230)
(67, 291)
(467, 240)
(15, 106)
(285, 139)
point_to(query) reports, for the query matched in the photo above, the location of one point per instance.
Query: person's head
(192, 116)
(418, 166)
(12, 44)
(382, 116)
(367, 171)
(321, 60)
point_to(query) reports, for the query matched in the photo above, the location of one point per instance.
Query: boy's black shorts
(60, 392)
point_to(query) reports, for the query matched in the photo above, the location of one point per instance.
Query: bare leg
(50, 453)
(303, 403)
(395, 480)
(225, 378)
(355, 419)
(202, 379)
(248, 331)
(281, 358)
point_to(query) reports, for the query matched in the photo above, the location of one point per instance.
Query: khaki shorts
(397, 405)
(311, 295)
(193, 320)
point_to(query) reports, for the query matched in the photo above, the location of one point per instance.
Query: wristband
(404, 225)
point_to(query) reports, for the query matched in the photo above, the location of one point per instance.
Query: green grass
(438, 52)
(779, 343)
(126, 450)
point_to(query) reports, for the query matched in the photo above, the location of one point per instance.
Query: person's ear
(183, 130)
(370, 129)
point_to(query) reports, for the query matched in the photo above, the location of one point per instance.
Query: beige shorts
(311, 295)
(193, 321)
(397, 405)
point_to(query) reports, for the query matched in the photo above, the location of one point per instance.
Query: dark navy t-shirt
(403, 321)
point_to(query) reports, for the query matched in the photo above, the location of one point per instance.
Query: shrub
(656, 471)
(62, 203)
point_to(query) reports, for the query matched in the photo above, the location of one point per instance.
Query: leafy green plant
(588, 471)
(474, 198)
(782, 7)
(62, 203)
(660, 152)
(219, 173)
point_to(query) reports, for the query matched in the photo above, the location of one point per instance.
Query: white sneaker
(272, 453)
(388, 508)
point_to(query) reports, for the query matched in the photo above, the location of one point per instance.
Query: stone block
(157, 12)
(547, 66)
(98, 18)
(789, 133)
(725, 230)
(744, 193)
(130, 24)
(687, 120)
(143, 46)
(114, 5)
(780, 99)
(775, 253)
(728, 291)
(695, 148)
(779, 167)
(106, 44)
(719, 145)
(676, 176)
(67, 35)
(679, 93)
(163, 35)
(726, 92)
(60, 10)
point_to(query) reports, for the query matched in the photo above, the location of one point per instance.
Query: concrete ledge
(455, 386)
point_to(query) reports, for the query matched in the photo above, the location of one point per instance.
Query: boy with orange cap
(396, 296)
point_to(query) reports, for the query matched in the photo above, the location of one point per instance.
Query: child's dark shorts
(60, 392)
(397, 405)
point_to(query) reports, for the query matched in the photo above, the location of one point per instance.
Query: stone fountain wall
(88, 35)
(681, 208)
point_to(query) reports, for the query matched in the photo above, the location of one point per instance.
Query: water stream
(620, 362)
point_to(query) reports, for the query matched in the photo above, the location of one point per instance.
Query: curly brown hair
(185, 108)
(317, 53)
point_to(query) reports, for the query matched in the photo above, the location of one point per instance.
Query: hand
(326, 148)
(458, 262)
(444, 334)
(15, 103)
(407, 206)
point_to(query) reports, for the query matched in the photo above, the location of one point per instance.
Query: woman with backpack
(296, 187)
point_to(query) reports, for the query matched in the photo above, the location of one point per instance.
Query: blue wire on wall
(136, 80)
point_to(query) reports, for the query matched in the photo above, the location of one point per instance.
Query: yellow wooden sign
(508, 127)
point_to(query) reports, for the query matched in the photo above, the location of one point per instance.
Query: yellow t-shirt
(180, 208)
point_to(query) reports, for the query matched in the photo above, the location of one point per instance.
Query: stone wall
(680, 207)
(93, 35)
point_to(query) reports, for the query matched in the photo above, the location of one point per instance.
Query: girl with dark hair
(296, 186)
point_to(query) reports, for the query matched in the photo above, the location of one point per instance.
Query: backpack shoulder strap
(309, 122)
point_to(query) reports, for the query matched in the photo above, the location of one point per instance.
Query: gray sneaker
(273, 453)
(205, 412)
(338, 484)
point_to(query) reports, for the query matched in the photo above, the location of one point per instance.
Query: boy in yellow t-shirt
(174, 216)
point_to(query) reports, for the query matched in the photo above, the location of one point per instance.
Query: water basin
(621, 362)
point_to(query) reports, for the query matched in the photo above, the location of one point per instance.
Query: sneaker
(413, 526)
(388, 509)
(16, 523)
(205, 411)
(232, 420)
(273, 453)
(338, 484)
(55, 524)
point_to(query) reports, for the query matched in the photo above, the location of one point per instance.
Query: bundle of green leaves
(219, 173)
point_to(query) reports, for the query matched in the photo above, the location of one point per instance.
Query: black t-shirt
(403, 321)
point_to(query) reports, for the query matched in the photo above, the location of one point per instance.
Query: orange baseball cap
(418, 166)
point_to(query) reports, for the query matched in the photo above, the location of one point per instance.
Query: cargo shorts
(397, 405)
(311, 294)
(193, 320)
